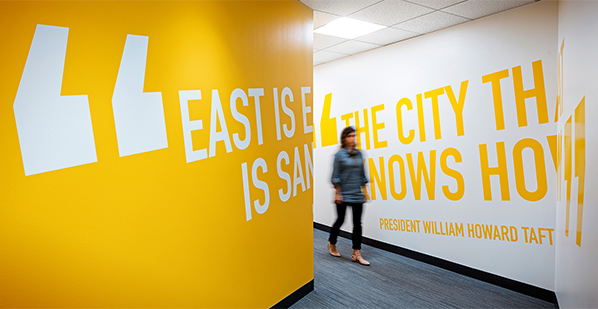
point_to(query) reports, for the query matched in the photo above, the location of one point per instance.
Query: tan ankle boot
(357, 258)
(333, 251)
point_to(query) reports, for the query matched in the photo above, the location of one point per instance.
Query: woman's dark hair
(344, 134)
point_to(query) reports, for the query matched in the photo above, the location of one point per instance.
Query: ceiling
(405, 19)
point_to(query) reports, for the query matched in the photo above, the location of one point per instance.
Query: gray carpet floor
(395, 281)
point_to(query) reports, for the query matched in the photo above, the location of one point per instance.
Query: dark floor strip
(295, 296)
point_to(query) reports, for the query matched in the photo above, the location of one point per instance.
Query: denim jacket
(349, 173)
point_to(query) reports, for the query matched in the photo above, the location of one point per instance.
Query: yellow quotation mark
(574, 130)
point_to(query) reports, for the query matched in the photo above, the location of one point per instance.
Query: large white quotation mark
(138, 116)
(54, 131)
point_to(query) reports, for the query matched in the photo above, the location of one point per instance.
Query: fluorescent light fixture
(348, 28)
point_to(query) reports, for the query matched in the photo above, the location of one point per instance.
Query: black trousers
(341, 209)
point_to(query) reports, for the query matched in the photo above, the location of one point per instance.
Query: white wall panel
(510, 40)
(577, 250)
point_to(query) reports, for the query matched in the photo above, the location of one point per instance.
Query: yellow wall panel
(150, 229)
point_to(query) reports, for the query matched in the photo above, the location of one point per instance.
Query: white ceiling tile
(431, 22)
(479, 8)
(321, 18)
(390, 12)
(352, 47)
(386, 36)
(402, 15)
(338, 7)
(325, 56)
(436, 4)
(322, 41)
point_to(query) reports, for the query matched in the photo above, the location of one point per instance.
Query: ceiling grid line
(365, 7)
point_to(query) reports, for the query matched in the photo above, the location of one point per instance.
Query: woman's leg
(336, 227)
(357, 231)
(357, 212)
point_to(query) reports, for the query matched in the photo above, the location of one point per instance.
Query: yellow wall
(150, 229)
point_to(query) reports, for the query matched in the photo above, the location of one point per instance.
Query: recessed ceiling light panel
(348, 28)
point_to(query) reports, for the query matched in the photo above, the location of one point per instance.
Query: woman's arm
(364, 180)
(336, 179)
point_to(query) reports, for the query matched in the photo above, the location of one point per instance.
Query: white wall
(576, 259)
(467, 52)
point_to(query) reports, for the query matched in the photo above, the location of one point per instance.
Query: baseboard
(507, 283)
(295, 296)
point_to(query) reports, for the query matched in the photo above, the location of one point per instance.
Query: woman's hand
(366, 197)
(338, 198)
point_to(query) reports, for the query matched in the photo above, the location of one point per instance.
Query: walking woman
(348, 178)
